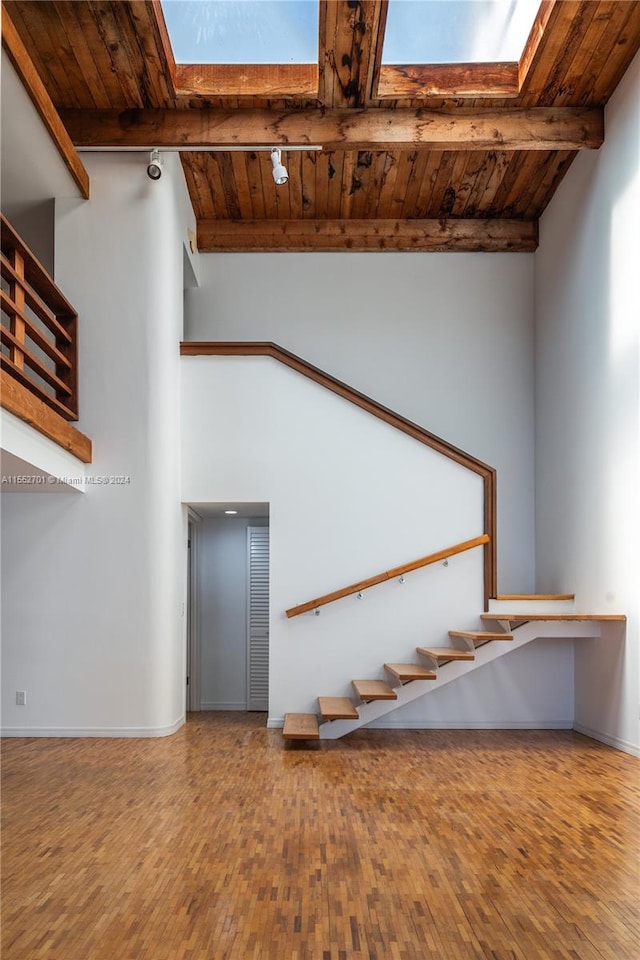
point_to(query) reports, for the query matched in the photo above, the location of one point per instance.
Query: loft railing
(483, 470)
(387, 575)
(38, 329)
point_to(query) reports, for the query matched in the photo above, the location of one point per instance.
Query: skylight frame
(456, 31)
(479, 79)
(386, 82)
(269, 80)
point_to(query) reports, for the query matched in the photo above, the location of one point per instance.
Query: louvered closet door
(258, 619)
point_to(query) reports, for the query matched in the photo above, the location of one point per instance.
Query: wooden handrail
(387, 575)
(40, 339)
(488, 474)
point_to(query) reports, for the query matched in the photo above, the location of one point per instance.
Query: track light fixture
(280, 174)
(154, 167)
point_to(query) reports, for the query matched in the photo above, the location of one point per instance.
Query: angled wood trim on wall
(488, 473)
(41, 100)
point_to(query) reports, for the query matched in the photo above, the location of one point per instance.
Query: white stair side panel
(452, 671)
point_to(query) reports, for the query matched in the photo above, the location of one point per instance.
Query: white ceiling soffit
(244, 510)
(32, 169)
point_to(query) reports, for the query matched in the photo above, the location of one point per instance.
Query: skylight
(242, 31)
(457, 31)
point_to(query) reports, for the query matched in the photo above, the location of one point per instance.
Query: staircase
(514, 621)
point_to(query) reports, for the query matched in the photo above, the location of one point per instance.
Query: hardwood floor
(223, 843)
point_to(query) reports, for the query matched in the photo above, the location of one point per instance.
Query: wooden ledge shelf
(525, 617)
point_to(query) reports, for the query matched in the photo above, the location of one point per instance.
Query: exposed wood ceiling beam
(532, 128)
(491, 236)
(19, 57)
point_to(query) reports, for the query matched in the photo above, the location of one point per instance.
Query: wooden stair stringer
(452, 671)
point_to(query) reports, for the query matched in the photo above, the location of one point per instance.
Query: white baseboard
(471, 725)
(625, 745)
(222, 705)
(113, 732)
(274, 723)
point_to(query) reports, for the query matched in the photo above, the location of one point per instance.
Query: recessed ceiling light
(230, 513)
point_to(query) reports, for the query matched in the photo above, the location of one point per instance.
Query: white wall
(93, 585)
(444, 339)
(529, 688)
(349, 497)
(36, 226)
(587, 410)
(222, 590)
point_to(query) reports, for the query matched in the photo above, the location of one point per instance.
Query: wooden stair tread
(374, 690)
(480, 635)
(337, 708)
(410, 671)
(517, 617)
(300, 726)
(446, 653)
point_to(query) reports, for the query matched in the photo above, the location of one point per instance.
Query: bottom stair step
(480, 636)
(300, 726)
(374, 690)
(337, 708)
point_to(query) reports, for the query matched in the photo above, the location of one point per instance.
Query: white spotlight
(154, 167)
(280, 174)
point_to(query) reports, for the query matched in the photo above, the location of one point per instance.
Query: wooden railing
(39, 328)
(387, 575)
(488, 474)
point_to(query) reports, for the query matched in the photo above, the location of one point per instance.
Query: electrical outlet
(21, 698)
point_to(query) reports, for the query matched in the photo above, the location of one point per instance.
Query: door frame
(192, 669)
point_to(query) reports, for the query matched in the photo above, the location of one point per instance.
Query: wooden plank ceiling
(413, 158)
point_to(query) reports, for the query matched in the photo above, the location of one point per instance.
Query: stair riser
(531, 606)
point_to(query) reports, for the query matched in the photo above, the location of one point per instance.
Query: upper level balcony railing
(38, 329)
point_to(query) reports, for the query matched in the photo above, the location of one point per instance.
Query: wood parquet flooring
(222, 843)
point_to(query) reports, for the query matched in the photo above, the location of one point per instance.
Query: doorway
(230, 670)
